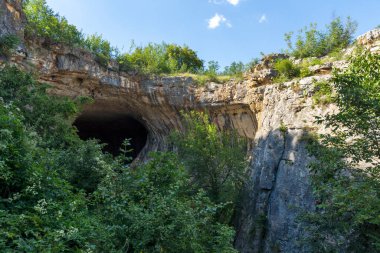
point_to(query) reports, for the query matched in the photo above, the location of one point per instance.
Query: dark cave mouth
(112, 129)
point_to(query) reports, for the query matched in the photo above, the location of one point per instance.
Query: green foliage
(235, 69)
(323, 93)
(183, 59)
(150, 59)
(286, 69)
(61, 194)
(101, 48)
(305, 72)
(216, 160)
(8, 44)
(347, 172)
(151, 209)
(283, 128)
(212, 68)
(252, 63)
(202, 79)
(312, 42)
(44, 22)
(161, 59)
(38, 210)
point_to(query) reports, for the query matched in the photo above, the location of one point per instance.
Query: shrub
(216, 160)
(151, 59)
(235, 69)
(161, 59)
(312, 42)
(44, 22)
(323, 93)
(286, 69)
(153, 209)
(183, 59)
(304, 71)
(8, 44)
(101, 48)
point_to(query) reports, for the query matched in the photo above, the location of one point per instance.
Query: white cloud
(233, 2)
(217, 20)
(216, 1)
(263, 19)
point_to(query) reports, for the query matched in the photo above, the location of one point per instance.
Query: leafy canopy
(216, 160)
(312, 42)
(347, 175)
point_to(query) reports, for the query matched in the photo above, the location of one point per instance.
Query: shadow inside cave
(112, 129)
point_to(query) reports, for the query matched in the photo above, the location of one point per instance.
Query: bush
(152, 209)
(101, 48)
(323, 93)
(286, 69)
(235, 69)
(8, 44)
(151, 59)
(183, 59)
(44, 22)
(312, 42)
(216, 160)
(161, 59)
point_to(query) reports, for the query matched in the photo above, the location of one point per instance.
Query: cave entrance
(112, 129)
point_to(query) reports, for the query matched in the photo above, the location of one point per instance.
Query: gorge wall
(274, 117)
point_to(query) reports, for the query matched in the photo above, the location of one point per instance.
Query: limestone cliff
(274, 117)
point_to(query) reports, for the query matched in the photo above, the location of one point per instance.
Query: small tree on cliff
(216, 160)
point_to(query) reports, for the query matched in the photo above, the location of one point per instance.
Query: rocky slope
(274, 117)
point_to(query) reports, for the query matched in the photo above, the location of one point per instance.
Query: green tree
(216, 160)
(161, 59)
(150, 59)
(44, 22)
(347, 174)
(235, 69)
(151, 209)
(212, 68)
(101, 48)
(183, 59)
(312, 42)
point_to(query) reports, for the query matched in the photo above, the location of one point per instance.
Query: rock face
(11, 17)
(279, 188)
(274, 117)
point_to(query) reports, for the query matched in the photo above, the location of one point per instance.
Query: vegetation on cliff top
(312, 42)
(153, 58)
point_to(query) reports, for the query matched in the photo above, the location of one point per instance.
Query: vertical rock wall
(11, 18)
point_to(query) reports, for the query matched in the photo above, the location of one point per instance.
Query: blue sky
(222, 30)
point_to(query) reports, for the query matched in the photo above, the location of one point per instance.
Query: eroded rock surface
(11, 17)
(274, 117)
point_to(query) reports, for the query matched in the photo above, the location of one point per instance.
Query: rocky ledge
(279, 187)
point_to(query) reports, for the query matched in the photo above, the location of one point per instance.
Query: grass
(202, 79)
